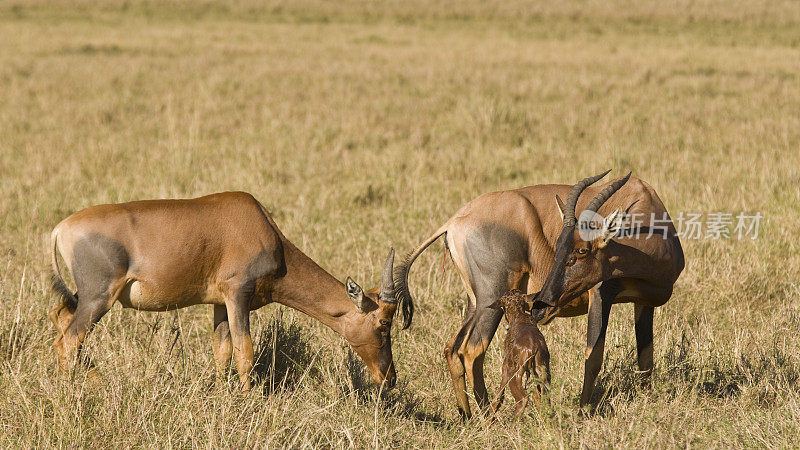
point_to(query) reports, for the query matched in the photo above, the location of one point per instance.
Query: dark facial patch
(97, 261)
(554, 284)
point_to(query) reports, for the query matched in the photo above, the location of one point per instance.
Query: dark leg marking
(239, 296)
(498, 400)
(455, 364)
(643, 316)
(239, 322)
(599, 311)
(88, 313)
(484, 328)
(98, 263)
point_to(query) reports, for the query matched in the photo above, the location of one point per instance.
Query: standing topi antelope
(222, 249)
(511, 239)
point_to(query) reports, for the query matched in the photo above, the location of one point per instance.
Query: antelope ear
(355, 293)
(560, 205)
(611, 226)
(496, 304)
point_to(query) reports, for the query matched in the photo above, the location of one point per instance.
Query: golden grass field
(365, 124)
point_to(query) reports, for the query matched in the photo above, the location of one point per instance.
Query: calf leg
(541, 369)
(223, 347)
(517, 388)
(498, 400)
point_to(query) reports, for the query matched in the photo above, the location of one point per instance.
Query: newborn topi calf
(525, 351)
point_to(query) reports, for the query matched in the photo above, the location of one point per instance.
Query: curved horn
(387, 280)
(604, 195)
(572, 199)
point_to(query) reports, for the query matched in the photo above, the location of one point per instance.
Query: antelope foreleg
(223, 347)
(599, 311)
(643, 316)
(239, 321)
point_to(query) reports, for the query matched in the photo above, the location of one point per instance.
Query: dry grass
(366, 124)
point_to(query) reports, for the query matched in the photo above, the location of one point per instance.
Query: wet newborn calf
(524, 351)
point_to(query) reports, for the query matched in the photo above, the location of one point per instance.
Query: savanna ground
(367, 124)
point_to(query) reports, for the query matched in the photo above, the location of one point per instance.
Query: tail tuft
(69, 299)
(401, 277)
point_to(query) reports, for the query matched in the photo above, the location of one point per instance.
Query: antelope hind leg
(455, 364)
(88, 313)
(61, 316)
(486, 322)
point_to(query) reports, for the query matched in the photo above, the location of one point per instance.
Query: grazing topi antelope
(511, 239)
(222, 249)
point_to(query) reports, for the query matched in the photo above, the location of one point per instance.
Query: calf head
(514, 303)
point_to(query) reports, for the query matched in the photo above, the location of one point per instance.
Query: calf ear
(355, 293)
(611, 226)
(496, 304)
(529, 299)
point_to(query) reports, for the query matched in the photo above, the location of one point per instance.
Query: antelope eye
(385, 323)
(581, 251)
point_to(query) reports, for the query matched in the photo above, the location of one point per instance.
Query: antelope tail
(401, 277)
